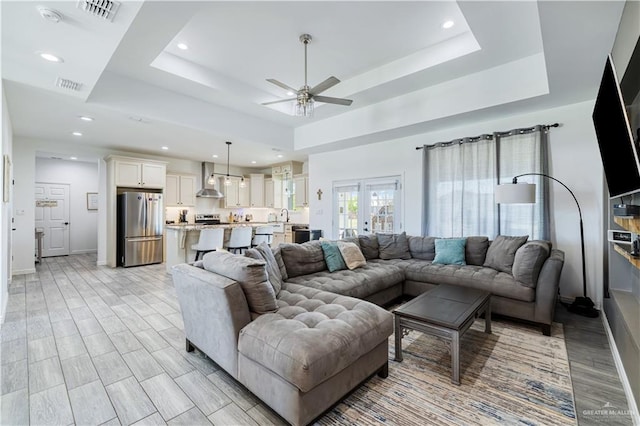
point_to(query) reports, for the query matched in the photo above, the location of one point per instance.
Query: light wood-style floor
(94, 345)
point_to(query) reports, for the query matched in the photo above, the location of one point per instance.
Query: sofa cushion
(351, 254)
(332, 256)
(393, 246)
(529, 260)
(488, 279)
(283, 269)
(502, 252)
(250, 273)
(476, 250)
(314, 335)
(273, 270)
(422, 247)
(450, 251)
(361, 283)
(303, 259)
(369, 246)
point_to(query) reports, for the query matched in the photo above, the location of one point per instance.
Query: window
(367, 206)
(460, 179)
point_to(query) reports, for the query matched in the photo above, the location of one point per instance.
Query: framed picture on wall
(92, 201)
(6, 178)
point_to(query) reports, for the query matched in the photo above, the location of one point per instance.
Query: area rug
(513, 376)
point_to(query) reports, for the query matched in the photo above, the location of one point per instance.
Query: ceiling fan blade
(278, 101)
(327, 84)
(284, 86)
(330, 100)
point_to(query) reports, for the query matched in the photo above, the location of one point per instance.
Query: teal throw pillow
(332, 256)
(450, 251)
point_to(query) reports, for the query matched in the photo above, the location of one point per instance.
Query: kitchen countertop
(199, 226)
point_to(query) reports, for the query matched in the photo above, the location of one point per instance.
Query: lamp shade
(516, 193)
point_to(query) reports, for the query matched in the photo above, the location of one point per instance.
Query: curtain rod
(488, 136)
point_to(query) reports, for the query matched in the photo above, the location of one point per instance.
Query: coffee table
(446, 311)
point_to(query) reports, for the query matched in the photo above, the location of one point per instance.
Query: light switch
(319, 212)
(20, 212)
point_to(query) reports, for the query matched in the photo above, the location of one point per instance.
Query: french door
(367, 206)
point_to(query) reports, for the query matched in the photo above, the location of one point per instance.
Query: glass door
(367, 206)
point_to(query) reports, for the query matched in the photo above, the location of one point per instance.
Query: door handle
(66, 223)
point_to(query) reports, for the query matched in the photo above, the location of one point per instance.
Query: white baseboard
(23, 271)
(83, 251)
(101, 263)
(633, 408)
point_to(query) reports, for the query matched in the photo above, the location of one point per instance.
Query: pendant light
(227, 179)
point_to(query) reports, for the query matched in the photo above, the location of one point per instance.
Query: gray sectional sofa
(308, 336)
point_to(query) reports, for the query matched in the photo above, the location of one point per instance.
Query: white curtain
(460, 178)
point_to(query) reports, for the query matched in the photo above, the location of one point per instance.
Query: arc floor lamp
(525, 193)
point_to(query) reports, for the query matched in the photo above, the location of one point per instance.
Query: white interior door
(52, 215)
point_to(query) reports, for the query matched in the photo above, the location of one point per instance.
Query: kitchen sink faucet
(282, 212)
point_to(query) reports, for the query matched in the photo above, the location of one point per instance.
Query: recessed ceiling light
(215, 156)
(85, 118)
(182, 46)
(50, 57)
(280, 156)
(165, 148)
(73, 158)
(254, 162)
(447, 24)
(76, 134)
(290, 93)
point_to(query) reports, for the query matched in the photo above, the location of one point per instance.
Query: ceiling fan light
(304, 109)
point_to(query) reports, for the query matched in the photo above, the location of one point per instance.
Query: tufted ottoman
(312, 351)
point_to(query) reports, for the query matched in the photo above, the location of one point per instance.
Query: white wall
(574, 160)
(82, 177)
(5, 211)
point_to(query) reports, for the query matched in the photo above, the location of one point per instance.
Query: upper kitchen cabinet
(257, 190)
(301, 191)
(237, 194)
(180, 190)
(138, 173)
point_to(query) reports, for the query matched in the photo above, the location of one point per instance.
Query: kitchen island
(181, 236)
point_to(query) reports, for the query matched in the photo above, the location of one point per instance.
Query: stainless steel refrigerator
(139, 228)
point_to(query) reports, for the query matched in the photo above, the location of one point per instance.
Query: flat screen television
(617, 139)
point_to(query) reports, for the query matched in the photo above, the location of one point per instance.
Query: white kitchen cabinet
(268, 193)
(236, 196)
(180, 190)
(301, 188)
(257, 195)
(277, 239)
(139, 174)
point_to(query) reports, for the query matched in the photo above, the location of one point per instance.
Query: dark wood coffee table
(446, 311)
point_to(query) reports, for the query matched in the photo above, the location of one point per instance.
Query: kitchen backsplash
(259, 214)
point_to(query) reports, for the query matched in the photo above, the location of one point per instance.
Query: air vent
(68, 84)
(104, 9)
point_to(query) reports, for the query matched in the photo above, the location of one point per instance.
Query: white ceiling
(404, 72)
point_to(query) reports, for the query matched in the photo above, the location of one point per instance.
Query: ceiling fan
(306, 96)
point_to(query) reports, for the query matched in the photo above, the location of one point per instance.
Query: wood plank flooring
(86, 344)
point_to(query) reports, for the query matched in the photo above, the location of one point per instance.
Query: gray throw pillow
(394, 246)
(250, 273)
(476, 250)
(502, 252)
(303, 259)
(369, 246)
(422, 247)
(273, 270)
(528, 262)
(283, 269)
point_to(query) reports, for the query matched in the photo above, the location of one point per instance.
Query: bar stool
(210, 240)
(263, 234)
(240, 239)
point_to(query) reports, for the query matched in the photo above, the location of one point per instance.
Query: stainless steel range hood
(208, 191)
